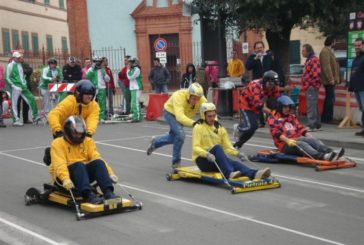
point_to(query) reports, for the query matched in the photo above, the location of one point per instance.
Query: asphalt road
(310, 208)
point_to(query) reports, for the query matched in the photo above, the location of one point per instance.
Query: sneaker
(176, 165)
(102, 121)
(18, 123)
(2, 125)
(263, 173)
(109, 195)
(151, 146)
(93, 199)
(340, 154)
(234, 175)
(329, 156)
(36, 120)
(360, 133)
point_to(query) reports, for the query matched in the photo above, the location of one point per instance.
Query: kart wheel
(79, 216)
(317, 168)
(32, 196)
(140, 205)
(233, 191)
(169, 177)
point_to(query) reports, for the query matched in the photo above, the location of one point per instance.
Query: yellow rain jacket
(205, 137)
(236, 68)
(69, 107)
(178, 105)
(64, 154)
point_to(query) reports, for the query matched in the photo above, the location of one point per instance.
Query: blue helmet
(84, 87)
(284, 100)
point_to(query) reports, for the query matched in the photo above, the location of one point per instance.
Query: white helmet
(205, 107)
(195, 89)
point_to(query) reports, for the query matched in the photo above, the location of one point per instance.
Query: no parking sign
(160, 44)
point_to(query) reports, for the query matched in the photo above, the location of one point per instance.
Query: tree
(278, 17)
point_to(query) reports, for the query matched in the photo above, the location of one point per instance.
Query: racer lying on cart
(81, 103)
(211, 143)
(292, 138)
(75, 162)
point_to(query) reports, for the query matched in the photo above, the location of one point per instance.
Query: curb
(330, 142)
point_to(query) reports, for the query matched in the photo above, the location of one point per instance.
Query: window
(49, 44)
(6, 41)
(25, 40)
(61, 4)
(64, 44)
(35, 43)
(15, 39)
(46, 2)
(162, 3)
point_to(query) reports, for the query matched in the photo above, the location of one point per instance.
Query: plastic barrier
(155, 106)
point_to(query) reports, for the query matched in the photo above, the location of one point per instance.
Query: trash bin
(224, 103)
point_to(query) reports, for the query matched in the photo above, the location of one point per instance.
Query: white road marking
(281, 176)
(282, 228)
(23, 159)
(29, 232)
(249, 144)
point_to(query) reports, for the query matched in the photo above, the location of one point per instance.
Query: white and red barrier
(340, 100)
(61, 87)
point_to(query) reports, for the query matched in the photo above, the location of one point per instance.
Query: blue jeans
(161, 88)
(247, 126)
(328, 110)
(360, 99)
(84, 174)
(175, 136)
(225, 164)
(313, 147)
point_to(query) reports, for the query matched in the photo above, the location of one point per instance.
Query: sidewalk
(329, 134)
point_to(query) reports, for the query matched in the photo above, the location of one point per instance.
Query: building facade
(33, 25)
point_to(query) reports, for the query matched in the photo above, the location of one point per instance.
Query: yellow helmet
(195, 89)
(206, 107)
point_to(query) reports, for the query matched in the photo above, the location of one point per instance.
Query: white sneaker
(18, 123)
(263, 173)
(330, 156)
(234, 175)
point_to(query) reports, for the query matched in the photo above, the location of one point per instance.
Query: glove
(291, 143)
(68, 184)
(210, 157)
(114, 178)
(57, 134)
(88, 134)
(242, 156)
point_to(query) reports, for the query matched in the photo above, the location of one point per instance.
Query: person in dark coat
(189, 77)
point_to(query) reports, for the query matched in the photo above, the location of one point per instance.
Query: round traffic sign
(160, 44)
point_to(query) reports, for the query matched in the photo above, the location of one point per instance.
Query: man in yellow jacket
(76, 162)
(211, 143)
(179, 110)
(82, 103)
(236, 66)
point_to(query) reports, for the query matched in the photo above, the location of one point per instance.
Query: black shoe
(109, 195)
(318, 126)
(27, 122)
(2, 125)
(93, 199)
(360, 133)
(340, 154)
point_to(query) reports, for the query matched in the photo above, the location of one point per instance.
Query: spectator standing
(212, 73)
(22, 104)
(236, 66)
(72, 73)
(110, 87)
(329, 78)
(50, 74)
(124, 86)
(15, 78)
(159, 77)
(260, 61)
(356, 83)
(2, 81)
(135, 78)
(189, 77)
(311, 84)
(86, 67)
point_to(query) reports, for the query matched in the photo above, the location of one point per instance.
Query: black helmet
(84, 87)
(74, 129)
(284, 100)
(271, 77)
(52, 61)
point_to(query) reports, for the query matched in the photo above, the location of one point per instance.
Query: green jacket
(14, 75)
(47, 76)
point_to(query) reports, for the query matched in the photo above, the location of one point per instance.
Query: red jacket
(123, 76)
(287, 126)
(311, 73)
(253, 96)
(111, 83)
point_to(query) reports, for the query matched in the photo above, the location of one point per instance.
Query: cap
(17, 54)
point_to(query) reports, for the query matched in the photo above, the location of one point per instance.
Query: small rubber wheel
(317, 168)
(169, 177)
(233, 191)
(32, 196)
(140, 206)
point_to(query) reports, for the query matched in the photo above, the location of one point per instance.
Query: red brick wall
(80, 44)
